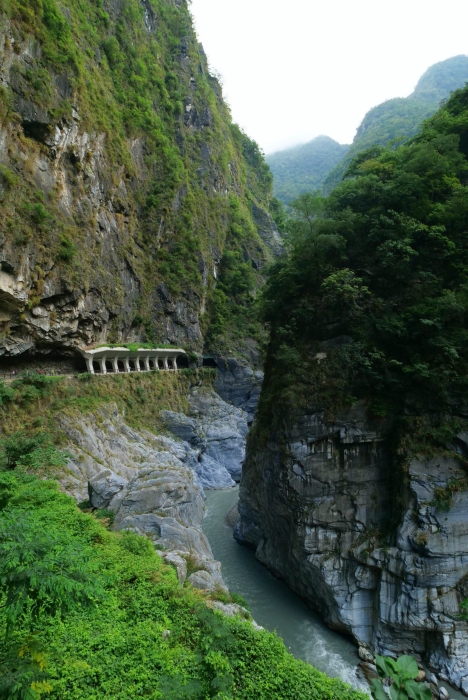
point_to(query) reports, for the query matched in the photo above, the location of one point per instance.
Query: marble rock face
(238, 384)
(148, 481)
(315, 502)
(217, 430)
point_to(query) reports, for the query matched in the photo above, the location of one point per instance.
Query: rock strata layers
(317, 502)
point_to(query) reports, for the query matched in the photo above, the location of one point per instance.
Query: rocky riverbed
(152, 483)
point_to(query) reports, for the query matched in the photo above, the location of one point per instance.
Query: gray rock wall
(239, 384)
(317, 501)
(148, 481)
(217, 431)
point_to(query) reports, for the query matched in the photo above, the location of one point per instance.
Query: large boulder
(167, 533)
(103, 487)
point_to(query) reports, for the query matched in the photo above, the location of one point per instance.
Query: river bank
(274, 605)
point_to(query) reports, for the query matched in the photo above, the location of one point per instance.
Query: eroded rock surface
(239, 384)
(217, 431)
(315, 502)
(148, 481)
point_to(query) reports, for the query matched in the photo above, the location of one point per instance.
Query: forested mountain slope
(323, 162)
(355, 484)
(402, 117)
(304, 168)
(125, 189)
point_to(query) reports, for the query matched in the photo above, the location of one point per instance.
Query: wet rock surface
(314, 502)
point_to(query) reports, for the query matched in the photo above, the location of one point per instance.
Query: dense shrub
(116, 623)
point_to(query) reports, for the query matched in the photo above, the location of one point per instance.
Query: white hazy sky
(294, 69)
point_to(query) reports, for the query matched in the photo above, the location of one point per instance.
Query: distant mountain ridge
(303, 168)
(314, 166)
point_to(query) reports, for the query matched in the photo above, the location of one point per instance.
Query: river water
(275, 606)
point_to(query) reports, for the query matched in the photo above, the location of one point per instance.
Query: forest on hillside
(376, 277)
(321, 163)
(304, 168)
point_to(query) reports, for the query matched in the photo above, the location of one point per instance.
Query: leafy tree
(377, 274)
(34, 451)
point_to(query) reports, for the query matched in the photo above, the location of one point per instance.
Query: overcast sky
(294, 69)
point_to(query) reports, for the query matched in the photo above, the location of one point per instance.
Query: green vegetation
(304, 168)
(401, 118)
(137, 79)
(402, 673)
(322, 162)
(33, 400)
(133, 347)
(375, 283)
(87, 613)
(30, 452)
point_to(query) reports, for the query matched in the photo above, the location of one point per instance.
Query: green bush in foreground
(117, 624)
(402, 673)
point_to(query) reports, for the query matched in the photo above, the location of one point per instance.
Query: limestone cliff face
(380, 555)
(120, 170)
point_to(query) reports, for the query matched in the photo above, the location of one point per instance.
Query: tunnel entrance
(209, 361)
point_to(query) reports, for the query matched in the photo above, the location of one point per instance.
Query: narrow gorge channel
(273, 604)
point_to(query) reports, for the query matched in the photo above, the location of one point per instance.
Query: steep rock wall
(381, 555)
(122, 179)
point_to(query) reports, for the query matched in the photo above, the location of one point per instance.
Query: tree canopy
(376, 275)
